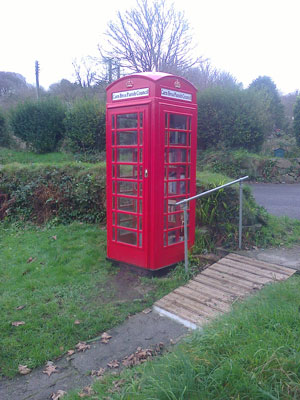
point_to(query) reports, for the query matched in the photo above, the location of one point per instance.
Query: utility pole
(37, 73)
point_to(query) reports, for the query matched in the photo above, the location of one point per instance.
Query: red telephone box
(151, 136)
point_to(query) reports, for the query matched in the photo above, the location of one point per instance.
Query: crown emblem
(129, 83)
(177, 84)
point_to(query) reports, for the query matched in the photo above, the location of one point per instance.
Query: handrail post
(241, 215)
(186, 260)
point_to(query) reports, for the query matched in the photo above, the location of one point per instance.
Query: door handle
(146, 173)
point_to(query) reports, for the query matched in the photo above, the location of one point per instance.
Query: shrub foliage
(4, 135)
(229, 117)
(85, 126)
(39, 123)
(297, 120)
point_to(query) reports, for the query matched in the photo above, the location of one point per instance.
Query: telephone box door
(127, 191)
(177, 128)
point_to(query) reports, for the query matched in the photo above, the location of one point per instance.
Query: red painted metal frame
(158, 172)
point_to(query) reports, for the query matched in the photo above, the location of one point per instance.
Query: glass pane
(166, 138)
(177, 171)
(127, 121)
(126, 204)
(114, 218)
(113, 138)
(141, 207)
(113, 122)
(125, 236)
(177, 155)
(127, 220)
(127, 155)
(179, 138)
(141, 223)
(141, 120)
(172, 188)
(166, 120)
(141, 189)
(175, 236)
(169, 205)
(141, 156)
(129, 188)
(127, 171)
(113, 155)
(113, 202)
(141, 138)
(178, 121)
(113, 187)
(141, 239)
(184, 187)
(127, 138)
(113, 234)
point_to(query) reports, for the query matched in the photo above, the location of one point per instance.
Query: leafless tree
(150, 37)
(84, 72)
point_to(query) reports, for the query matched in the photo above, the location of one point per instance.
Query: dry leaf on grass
(147, 311)
(70, 352)
(20, 307)
(23, 369)
(140, 356)
(58, 395)
(54, 237)
(105, 337)
(98, 373)
(113, 364)
(86, 391)
(82, 346)
(30, 259)
(50, 368)
(76, 322)
(18, 323)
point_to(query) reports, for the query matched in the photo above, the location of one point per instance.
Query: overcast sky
(247, 38)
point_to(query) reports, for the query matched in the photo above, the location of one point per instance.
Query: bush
(39, 124)
(297, 120)
(229, 117)
(4, 135)
(42, 192)
(85, 126)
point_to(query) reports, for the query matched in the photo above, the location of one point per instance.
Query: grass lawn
(54, 277)
(8, 156)
(251, 353)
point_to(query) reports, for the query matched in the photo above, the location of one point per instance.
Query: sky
(247, 38)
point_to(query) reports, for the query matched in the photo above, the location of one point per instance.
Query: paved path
(279, 199)
(141, 330)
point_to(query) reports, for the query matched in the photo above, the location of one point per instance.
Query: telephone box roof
(153, 76)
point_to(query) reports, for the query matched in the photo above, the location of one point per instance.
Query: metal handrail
(186, 201)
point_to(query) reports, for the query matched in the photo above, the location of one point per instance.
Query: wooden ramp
(213, 291)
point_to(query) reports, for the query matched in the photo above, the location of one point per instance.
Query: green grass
(69, 279)
(251, 353)
(8, 156)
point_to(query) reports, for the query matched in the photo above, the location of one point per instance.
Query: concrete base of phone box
(142, 271)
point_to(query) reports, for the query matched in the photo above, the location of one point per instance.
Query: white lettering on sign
(176, 95)
(130, 94)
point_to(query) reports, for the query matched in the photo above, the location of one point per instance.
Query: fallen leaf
(105, 337)
(61, 348)
(76, 322)
(23, 369)
(54, 237)
(86, 391)
(50, 368)
(20, 307)
(147, 311)
(70, 352)
(100, 372)
(30, 259)
(18, 323)
(82, 346)
(58, 395)
(113, 364)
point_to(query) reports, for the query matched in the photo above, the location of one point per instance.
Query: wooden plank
(269, 266)
(210, 291)
(206, 300)
(256, 270)
(223, 277)
(239, 273)
(224, 286)
(181, 312)
(193, 305)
